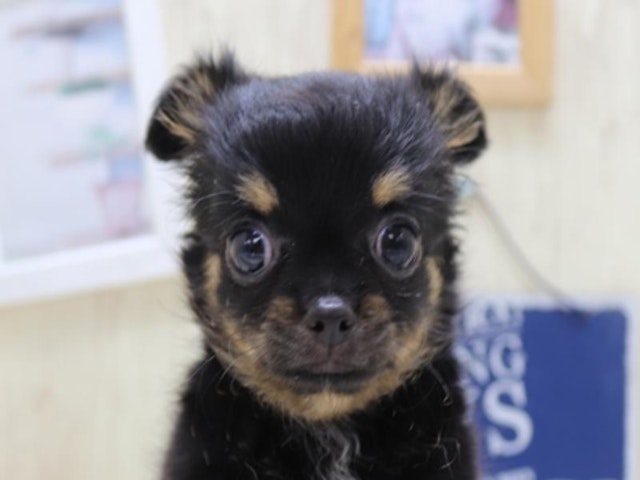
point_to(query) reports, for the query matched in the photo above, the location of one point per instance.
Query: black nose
(331, 319)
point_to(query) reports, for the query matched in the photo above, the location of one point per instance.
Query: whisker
(197, 201)
(445, 389)
(202, 365)
(428, 196)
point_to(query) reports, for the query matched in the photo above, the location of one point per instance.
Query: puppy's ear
(177, 123)
(456, 114)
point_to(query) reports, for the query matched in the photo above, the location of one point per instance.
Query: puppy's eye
(397, 248)
(249, 251)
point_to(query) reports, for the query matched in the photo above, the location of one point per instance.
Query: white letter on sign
(508, 415)
(507, 357)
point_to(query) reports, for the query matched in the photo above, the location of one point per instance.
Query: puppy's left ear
(456, 114)
(178, 122)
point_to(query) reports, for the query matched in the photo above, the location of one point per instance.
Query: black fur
(415, 434)
(320, 140)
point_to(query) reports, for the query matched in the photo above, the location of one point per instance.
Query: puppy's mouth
(313, 380)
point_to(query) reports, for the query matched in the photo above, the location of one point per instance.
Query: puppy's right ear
(177, 123)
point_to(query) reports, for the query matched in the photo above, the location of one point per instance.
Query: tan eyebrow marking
(391, 185)
(258, 192)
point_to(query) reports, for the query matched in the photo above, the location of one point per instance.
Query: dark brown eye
(249, 251)
(397, 247)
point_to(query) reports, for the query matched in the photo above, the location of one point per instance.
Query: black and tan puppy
(321, 269)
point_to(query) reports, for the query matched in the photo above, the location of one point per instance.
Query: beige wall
(86, 383)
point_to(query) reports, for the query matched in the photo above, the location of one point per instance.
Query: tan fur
(232, 343)
(325, 405)
(458, 129)
(258, 192)
(465, 132)
(311, 407)
(245, 344)
(436, 282)
(413, 344)
(212, 282)
(375, 309)
(201, 78)
(176, 127)
(189, 95)
(238, 346)
(282, 310)
(244, 356)
(410, 351)
(245, 349)
(184, 120)
(328, 405)
(390, 186)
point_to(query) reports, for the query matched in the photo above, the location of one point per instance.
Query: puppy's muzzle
(330, 319)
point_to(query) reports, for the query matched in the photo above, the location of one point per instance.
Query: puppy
(321, 269)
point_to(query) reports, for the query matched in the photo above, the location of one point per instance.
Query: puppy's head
(322, 207)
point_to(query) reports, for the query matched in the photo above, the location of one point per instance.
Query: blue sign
(548, 389)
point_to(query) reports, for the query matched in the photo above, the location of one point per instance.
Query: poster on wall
(549, 387)
(72, 168)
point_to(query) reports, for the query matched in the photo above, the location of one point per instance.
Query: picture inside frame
(503, 49)
(470, 31)
(69, 128)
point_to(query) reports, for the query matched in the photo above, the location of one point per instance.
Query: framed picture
(502, 48)
(79, 199)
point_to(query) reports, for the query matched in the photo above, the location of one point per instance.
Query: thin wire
(471, 189)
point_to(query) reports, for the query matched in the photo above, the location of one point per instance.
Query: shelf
(66, 159)
(71, 85)
(84, 269)
(67, 26)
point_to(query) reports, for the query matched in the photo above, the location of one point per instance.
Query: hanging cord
(467, 188)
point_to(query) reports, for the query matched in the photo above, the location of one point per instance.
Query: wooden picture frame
(528, 84)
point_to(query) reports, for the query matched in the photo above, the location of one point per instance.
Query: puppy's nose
(331, 319)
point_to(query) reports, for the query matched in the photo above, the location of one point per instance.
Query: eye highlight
(397, 248)
(249, 252)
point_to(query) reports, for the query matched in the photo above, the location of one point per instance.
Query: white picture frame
(114, 263)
